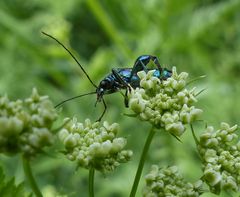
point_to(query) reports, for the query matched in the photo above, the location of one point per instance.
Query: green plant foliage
(8, 188)
(198, 37)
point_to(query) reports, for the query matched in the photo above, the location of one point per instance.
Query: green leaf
(8, 188)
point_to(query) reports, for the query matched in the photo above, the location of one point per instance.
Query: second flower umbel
(93, 145)
(166, 103)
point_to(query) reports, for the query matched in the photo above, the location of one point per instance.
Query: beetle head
(105, 87)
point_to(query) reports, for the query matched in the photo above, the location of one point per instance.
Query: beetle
(119, 78)
(125, 78)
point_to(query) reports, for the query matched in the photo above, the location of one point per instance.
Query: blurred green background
(201, 37)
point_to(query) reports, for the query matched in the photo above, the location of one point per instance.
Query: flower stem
(142, 161)
(91, 182)
(28, 173)
(194, 136)
(108, 26)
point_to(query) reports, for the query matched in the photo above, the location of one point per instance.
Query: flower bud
(195, 114)
(177, 129)
(230, 184)
(107, 146)
(210, 155)
(70, 141)
(63, 133)
(118, 144)
(141, 74)
(136, 105)
(35, 96)
(212, 177)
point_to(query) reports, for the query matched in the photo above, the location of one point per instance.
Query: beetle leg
(156, 62)
(120, 80)
(138, 66)
(124, 84)
(161, 70)
(104, 111)
(126, 99)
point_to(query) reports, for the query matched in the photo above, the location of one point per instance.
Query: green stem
(28, 173)
(142, 161)
(91, 182)
(194, 136)
(105, 21)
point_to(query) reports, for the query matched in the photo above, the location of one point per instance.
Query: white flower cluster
(220, 152)
(25, 125)
(168, 182)
(164, 103)
(93, 145)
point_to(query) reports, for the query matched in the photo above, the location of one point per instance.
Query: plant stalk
(142, 161)
(91, 182)
(105, 21)
(29, 175)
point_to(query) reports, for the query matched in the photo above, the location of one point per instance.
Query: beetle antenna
(61, 103)
(75, 59)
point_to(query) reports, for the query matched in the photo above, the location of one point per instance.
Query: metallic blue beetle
(120, 78)
(123, 78)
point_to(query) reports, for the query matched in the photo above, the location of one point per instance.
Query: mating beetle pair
(120, 78)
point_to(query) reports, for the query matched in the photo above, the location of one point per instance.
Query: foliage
(199, 37)
(8, 188)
